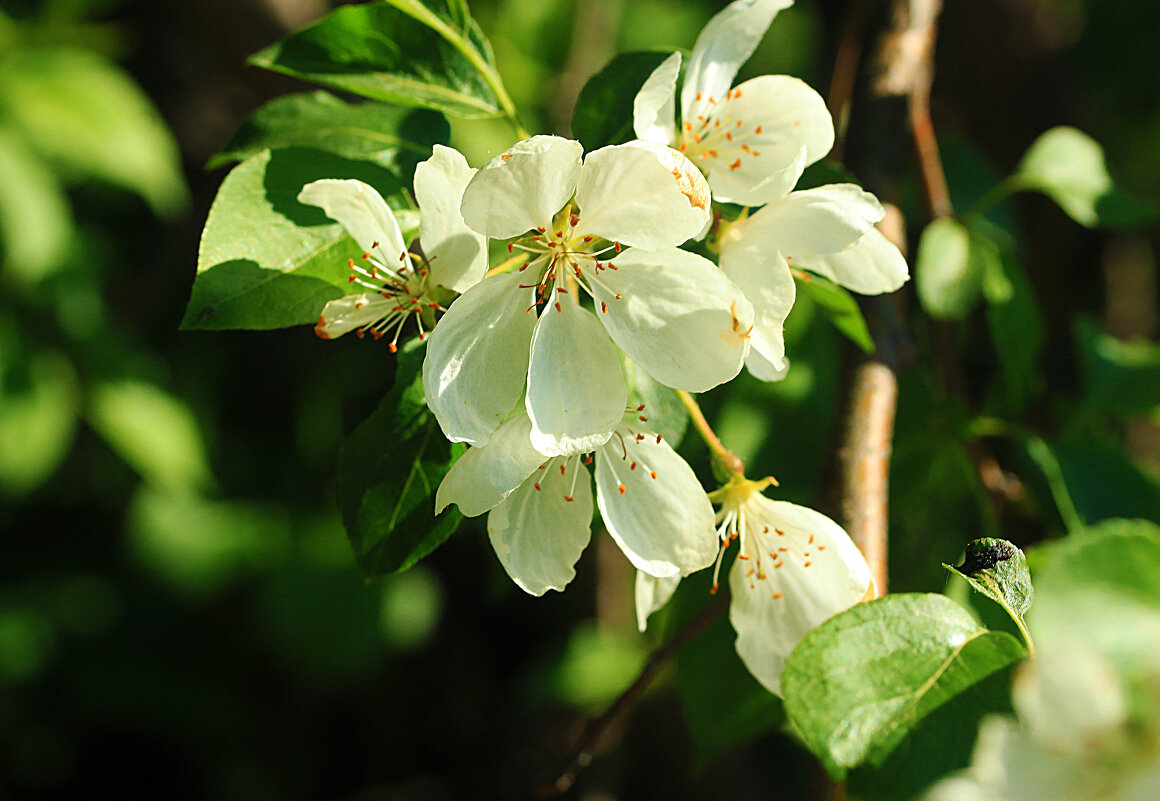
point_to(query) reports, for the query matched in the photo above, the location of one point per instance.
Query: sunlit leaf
(400, 51)
(1068, 166)
(268, 261)
(90, 118)
(1102, 588)
(36, 224)
(197, 546)
(949, 271)
(387, 135)
(39, 401)
(388, 471)
(839, 306)
(998, 570)
(603, 113)
(857, 685)
(153, 431)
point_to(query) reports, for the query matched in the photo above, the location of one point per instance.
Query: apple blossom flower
(402, 285)
(541, 506)
(744, 137)
(828, 230)
(795, 568)
(524, 332)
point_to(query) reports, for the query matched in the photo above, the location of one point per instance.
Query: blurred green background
(180, 614)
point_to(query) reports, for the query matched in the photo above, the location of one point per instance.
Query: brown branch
(595, 728)
(902, 68)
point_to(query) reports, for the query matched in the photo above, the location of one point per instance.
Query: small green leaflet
(856, 686)
(997, 569)
(402, 51)
(388, 471)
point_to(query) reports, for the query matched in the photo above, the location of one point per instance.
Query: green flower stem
(993, 196)
(1026, 635)
(1041, 452)
(723, 458)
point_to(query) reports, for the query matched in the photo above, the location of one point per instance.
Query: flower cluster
(605, 263)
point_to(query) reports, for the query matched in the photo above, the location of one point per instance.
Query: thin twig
(726, 459)
(595, 728)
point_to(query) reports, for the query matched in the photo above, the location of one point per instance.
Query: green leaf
(603, 113)
(1104, 483)
(1018, 334)
(856, 685)
(953, 268)
(997, 569)
(388, 471)
(840, 308)
(1068, 166)
(154, 432)
(89, 117)
(36, 225)
(1122, 378)
(266, 260)
(1102, 588)
(666, 414)
(39, 402)
(433, 56)
(942, 743)
(387, 135)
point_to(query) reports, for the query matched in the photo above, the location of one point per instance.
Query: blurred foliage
(180, 611)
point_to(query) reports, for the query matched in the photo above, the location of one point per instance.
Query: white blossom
(795, 568)
(402, 285)
(743, 138)
(829, 231)
(524, 333)
(541, 506)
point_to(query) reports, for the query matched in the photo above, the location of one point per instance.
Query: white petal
(789, 115)
(827, 219)
(576, 392)
(651, 594)
(725, 43)
(771, 614)
(654, 506)
(345, 314)
(654, 107)
(487, 474)
(870, 266)
(642, 194)
(764, 369)
(477, 358)
(363, 213)
(457, 255)
(764, 276)
(537, 534)
(523, 188)
(754, 185)
(678, 317)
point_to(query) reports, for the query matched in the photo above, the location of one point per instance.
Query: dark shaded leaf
(390, 136)
(388, 471)
(603, 113)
